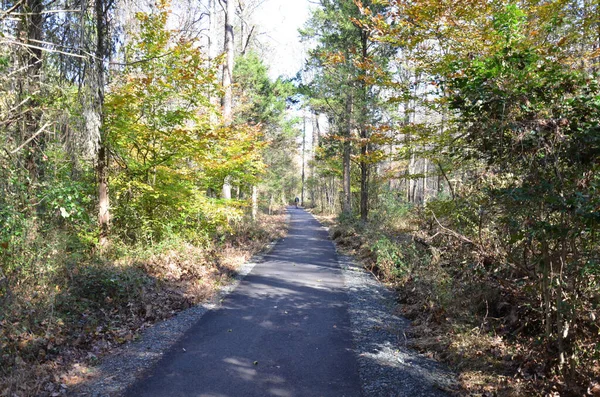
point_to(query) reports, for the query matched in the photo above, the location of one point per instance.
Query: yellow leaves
(333, 58)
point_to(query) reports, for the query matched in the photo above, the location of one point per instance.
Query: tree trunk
(364, 186)
(103, 197)
(254, 202)
(546, 291)
(227, 99)
(303, 161)
(98, 98)
(228, 49)
(226, 191)
(32, 61)
(314, 144)
(347, 203)
(364, 135)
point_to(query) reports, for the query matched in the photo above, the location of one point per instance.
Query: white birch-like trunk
(254, 202)
(227, 100)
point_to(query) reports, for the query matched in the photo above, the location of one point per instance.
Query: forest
(453, 148)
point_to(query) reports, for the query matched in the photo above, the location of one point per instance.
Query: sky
(279, 21)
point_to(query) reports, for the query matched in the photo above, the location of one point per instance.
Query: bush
(394, 260)
(391, 211)
(104, 285)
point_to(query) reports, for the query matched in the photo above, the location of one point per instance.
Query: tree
(96, 82)
(534, 122)
(227, 79)
(159, 124)
(349, 62)
(517, 133)
(262, 103)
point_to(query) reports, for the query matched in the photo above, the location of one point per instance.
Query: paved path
(284, 332)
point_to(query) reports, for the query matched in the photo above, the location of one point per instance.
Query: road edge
(387, 367)
(132, 360)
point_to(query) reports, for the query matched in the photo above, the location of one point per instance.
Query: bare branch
(32, 137)
(8, 40)
(23, 102)
(248, 40)
(11, 9)
(20, 14)
(452, 232)
(21, 69)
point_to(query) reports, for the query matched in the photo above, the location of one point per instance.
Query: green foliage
(390, 208)
(258, 99)
(393, 259)
(509, 24)
(263, 103)
(502, 101)
(107, 286)
(534, 122)
(4, 62)
(168, 152)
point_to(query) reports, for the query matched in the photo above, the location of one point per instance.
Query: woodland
(452, 146)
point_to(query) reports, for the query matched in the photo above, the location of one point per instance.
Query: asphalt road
(285, 331)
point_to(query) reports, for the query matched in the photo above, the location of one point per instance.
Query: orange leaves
(332, 58)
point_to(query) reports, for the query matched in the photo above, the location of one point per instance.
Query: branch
(8, 41)
(32, 138)
(11, 9)
(439, 164)
(43, 12)
(23, 102)
(21, 69)
(452, 232)
(142, 60)
(248, 40)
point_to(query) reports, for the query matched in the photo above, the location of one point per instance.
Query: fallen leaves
(48, 349)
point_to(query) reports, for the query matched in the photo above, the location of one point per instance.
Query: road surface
(285, 331)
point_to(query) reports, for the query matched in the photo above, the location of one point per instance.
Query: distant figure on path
(296, 200)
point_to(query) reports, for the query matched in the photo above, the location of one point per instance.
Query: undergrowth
(468, 308)
(65, 303)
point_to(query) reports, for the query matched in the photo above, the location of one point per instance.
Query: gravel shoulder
(386, 366)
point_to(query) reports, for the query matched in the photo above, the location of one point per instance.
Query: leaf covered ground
(92, 306)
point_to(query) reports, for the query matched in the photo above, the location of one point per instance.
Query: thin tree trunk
(227, 99)
(323, 194)
(303, 161)
(446, 178)
(32, 59)
(98, 98)
(254, 202)
(103, 197)
(364, 135)
(546, 292)
(315, 142)
(347, 203)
